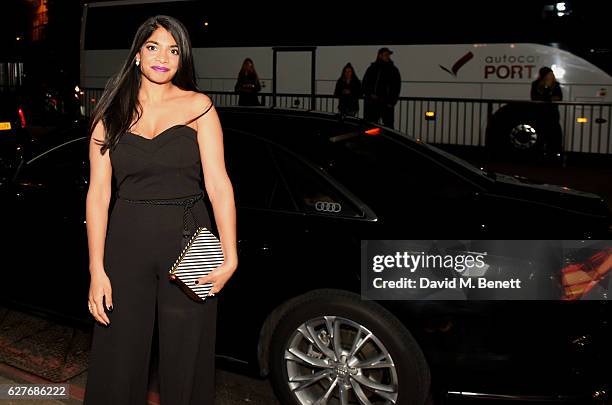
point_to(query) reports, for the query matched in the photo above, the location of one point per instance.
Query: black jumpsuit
(142, 243)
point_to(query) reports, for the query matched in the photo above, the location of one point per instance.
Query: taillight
(580, 278)
(373, 131)
(22, 117)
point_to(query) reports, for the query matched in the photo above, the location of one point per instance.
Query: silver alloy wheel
(523, 136)
(333, 360)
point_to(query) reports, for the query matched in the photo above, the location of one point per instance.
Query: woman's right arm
(97, 204)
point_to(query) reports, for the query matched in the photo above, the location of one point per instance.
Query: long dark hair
(119, 103)
(243, 70)
(348, 65)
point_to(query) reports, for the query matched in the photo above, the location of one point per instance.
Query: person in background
(381, 88)
(546, 89)
(247, 85)
(348, 91)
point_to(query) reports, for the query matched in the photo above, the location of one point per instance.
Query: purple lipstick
(160, 68)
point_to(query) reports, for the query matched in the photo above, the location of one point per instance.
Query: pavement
(36, 350)
(231, 389)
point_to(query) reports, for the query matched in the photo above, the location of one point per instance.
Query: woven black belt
(186, 202)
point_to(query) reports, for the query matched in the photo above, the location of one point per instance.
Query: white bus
(303, 51)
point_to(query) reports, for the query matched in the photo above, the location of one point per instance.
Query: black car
(309, 188)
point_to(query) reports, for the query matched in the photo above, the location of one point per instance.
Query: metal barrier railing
(585, 127)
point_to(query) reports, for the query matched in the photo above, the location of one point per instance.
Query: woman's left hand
(218, 277)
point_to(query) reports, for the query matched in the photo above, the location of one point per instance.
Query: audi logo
(326, 206)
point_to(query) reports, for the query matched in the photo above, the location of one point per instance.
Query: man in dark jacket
(381, 87)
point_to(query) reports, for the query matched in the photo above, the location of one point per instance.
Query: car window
(386, 173)
(253, 173)
(311, 190)
(62, 164)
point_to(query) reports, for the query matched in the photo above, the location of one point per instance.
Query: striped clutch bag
(201, 255)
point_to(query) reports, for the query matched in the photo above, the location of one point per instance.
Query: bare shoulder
(96, 141)
(99, 127)
(98, 132)
(199, 101)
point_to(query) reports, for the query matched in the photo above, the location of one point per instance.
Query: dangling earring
(137, 62)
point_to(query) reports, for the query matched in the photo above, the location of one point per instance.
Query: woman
(247, 85)
(546, 87)
(162, 135)
(348, 90)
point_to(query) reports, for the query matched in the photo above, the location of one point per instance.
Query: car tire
(525, 131)
(513, 131)
(305, 326)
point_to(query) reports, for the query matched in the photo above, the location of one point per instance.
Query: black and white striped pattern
(202, 254)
